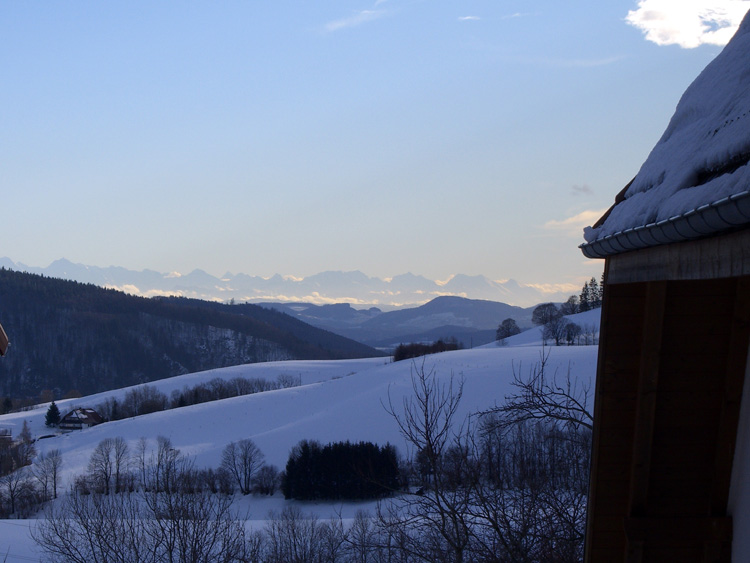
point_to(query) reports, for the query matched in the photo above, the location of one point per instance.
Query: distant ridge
(470, 321)
(68, 336)
(354, 287)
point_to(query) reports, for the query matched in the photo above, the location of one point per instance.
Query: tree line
(340, 470)
(146, 399)
(418, 349)
(68, 336)
(551, 318)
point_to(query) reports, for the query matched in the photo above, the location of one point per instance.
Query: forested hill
(71, 336)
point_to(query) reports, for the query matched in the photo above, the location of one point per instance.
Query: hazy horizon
(384, 136)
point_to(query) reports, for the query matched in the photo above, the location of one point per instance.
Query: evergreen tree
(53, 415)
(591, 295)
(584, 301)
(595, 294)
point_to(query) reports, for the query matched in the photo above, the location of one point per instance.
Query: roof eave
(725, 214)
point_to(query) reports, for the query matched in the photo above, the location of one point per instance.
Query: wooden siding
(671, 368)
(717, 257)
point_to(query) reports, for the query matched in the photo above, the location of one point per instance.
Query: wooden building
(80, 418)
(671, 461)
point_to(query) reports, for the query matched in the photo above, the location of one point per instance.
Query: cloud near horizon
(688, 23)
(574, 225)
(551, 288)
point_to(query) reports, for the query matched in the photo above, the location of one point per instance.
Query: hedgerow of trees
(146, 399)
(416, 349)
(556, 328)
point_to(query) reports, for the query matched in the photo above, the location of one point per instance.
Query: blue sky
(292, 137)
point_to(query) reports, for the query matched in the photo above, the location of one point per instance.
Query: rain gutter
(727, 213)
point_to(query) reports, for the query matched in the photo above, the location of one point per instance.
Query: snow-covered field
(338, 400)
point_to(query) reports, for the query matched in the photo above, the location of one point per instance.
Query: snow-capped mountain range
(354, 287)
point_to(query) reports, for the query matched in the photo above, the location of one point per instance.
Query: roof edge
(709, 219)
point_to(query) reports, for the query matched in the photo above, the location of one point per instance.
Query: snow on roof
(699, 162)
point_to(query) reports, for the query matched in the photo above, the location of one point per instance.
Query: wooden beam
(648, 379)
(599, 388)
(735, 369)
(724, 256)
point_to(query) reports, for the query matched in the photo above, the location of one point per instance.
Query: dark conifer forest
(69, 338)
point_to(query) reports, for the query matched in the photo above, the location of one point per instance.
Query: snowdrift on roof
(703, 155)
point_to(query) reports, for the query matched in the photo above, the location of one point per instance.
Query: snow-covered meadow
(338, 400)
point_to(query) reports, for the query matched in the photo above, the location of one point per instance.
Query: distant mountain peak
(332, 286)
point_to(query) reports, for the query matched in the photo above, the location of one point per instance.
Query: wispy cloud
(134, 290)
(555, 287)
(514, 16)
(468, 18)
(356, 19)
(581, 190)
(688, 23)
(574, 225)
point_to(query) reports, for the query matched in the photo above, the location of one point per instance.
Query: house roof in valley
(696, 181)
(84, 416)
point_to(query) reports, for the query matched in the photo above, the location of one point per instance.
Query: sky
(295, 137)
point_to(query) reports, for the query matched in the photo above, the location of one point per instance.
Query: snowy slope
(338, 401)
(533, 336)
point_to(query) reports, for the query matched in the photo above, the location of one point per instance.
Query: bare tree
(295, 537)
(84, 528)
(23, 451)
(544, 313)
(193, 526)
(161, 472)
(570, 307)
(148, 526)
(266, 480)
(438, 518)
(507, 328)
(572, 333)
(555, 329)
(121, 462)
(242, 460)
(17, 490)
(100, 466)
(511, 488)
(46, 470)
(541, 397)
(590, 333)
(287, 380)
